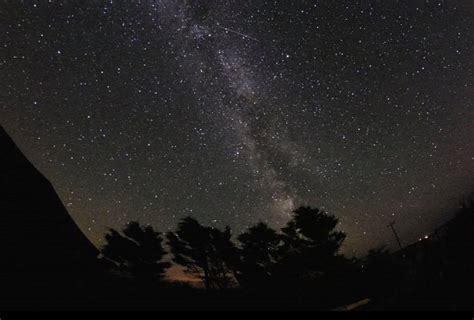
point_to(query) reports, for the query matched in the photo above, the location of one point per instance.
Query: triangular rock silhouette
(43, 252)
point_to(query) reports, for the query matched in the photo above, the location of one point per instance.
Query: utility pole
(392, 226)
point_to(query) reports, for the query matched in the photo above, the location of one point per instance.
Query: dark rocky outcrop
(43, 253)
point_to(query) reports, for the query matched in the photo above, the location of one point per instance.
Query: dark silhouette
(459, 248)
(205, 252)
(436, 272)
(310, 245)
(382, 273)
(137, 252)
(259, 256)
(44, 255)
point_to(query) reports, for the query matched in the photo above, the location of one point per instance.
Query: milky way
(236, 112)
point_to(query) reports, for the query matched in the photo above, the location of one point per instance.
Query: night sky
(235, 112)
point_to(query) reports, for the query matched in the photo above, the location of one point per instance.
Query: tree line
(297, 265)
(305, 249)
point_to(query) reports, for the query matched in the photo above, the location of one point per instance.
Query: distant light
(427, 237)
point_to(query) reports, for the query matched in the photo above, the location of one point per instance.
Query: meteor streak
(238, 33)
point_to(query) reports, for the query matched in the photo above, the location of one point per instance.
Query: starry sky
(236, 112)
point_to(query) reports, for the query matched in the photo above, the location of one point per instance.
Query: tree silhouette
(205, 252)
(310, 244)
(259, 255)
(137, 251)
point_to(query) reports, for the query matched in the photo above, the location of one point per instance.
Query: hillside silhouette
(45, 256)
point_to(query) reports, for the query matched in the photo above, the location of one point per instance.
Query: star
(238, 112)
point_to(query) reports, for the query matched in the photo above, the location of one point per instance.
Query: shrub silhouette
(136, 252)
